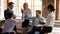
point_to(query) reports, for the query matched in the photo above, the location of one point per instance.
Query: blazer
(7, 13)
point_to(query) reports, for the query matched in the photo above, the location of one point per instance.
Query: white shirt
(28, 13)
(10, 23)
(36, 21)
(50, 19)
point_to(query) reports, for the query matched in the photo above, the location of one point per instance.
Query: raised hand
(22, 10)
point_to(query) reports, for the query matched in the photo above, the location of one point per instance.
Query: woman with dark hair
(50, 21)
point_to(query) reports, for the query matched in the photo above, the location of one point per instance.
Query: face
(38, 14)
(12, 6)
(25, 6)
(48, 10)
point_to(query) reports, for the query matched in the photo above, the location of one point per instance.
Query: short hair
(10, 3)
(38, 11)
(51, 7)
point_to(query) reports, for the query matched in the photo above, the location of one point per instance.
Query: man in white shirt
(10, 23)
(50, 21)
(37, 20)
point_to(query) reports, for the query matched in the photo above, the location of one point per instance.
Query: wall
(45, 3)
(59, 10)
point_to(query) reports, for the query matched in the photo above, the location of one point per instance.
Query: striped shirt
(10, 23)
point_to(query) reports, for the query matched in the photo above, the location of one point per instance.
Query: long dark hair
(51, 7)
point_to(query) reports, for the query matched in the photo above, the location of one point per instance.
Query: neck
(38, 16)
(9, 8)
(25, 8)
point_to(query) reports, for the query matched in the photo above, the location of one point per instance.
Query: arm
(49, 20)
(30, 14)
(19, 20)
(42, 20)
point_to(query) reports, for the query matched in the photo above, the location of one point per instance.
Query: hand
(14, 16)
(14, 32)
(26, 16)
(21, 10)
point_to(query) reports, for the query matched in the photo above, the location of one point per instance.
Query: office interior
(33, 5)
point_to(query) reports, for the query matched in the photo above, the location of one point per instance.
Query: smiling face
(25, 6)
(38, 13)
(11, 6)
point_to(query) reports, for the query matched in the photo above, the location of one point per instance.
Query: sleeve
(4, 13)
(19, 20)
(49, 20)
(30, 14)
(42, 20)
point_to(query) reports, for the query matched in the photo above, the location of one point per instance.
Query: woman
(50, 20)
(27, 13)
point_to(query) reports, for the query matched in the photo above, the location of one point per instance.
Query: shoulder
(42, 19)
(51, 15)
(29, 10)
(5, 10)
(33, 17)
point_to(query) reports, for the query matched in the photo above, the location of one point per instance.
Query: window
(0, 7)
(1, 10)
(33, 5)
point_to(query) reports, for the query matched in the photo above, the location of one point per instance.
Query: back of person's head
(38, 11)
(51, 7)
(10, 3)
(10, 15)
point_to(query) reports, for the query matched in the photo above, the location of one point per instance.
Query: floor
(56, 30)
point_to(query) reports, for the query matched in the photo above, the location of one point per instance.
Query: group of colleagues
(10, 21)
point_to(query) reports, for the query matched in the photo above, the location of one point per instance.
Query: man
(9, 11)
(38, 20)
(10, 23)
(27, 13)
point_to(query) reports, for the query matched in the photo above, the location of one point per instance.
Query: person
(9, 11)
(38, 20)
(10, 23)
(27, 13)
(50, 21)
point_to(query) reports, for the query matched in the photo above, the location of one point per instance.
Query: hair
(24, 4)
(51, 7)
(10, 3)
(38, 11)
